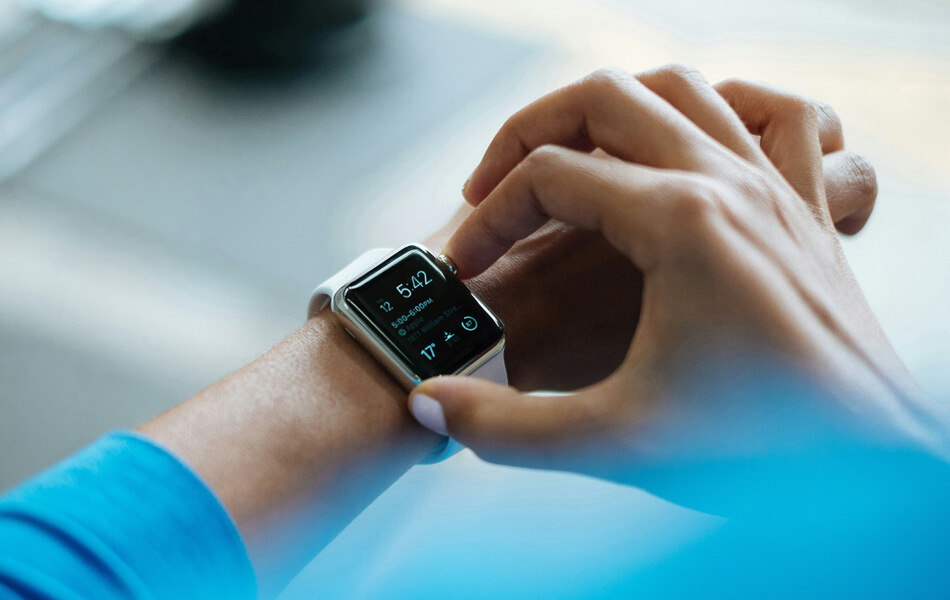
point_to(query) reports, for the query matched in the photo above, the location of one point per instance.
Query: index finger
(610, 110)
(631, 205)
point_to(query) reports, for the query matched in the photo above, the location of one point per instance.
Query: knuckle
(800, 110)
(694, 209)
(512, 125)
(757, 92)
(541, 158)
(733, 83)
(609, 74)
(545, 154)
(683, 75)
(828, 116)
(608, 80)
(861, 175)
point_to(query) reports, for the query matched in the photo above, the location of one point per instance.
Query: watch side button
(448, 262)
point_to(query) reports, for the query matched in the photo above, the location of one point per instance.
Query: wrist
(369, 406)
(314, 405)
(312, 432)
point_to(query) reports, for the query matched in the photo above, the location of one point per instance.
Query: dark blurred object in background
(264, 33)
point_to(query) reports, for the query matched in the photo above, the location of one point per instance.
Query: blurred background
(175, 177)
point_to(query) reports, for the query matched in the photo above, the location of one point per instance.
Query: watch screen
(429, 319)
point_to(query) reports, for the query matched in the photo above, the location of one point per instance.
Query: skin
(298, 442)
(718, 195)
(314, 430)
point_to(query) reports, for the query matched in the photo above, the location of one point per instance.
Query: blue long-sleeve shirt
(123, 518)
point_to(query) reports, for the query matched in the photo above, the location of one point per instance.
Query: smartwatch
(416, 318)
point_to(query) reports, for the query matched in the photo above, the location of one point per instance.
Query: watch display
(426, 316)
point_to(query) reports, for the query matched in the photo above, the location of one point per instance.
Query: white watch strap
(323, 295)
(493, 370)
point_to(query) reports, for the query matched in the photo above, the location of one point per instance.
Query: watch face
(428, 318)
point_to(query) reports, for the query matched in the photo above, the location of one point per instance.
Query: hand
(742, 273)
(558, 335)
(561, 336)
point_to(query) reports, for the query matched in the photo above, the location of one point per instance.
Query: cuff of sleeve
(139, 515)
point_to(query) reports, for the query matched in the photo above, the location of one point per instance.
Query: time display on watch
(426, 316)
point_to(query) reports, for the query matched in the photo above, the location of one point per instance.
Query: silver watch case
(370, 338)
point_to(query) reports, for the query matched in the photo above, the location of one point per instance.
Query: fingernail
(466, 184)
(429, 413)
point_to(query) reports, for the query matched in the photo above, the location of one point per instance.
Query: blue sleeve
(123, 518)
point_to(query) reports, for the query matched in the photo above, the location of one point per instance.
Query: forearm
(297, 443)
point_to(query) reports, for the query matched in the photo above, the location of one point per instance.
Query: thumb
(502, 425)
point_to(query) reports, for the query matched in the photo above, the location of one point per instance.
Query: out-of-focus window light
(142, 17)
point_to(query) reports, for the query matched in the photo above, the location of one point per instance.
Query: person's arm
(297, 443)
(301, 440)
(294, 446)
(123, 518)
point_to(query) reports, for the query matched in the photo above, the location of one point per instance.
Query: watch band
(324, 293)
(493, 370)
